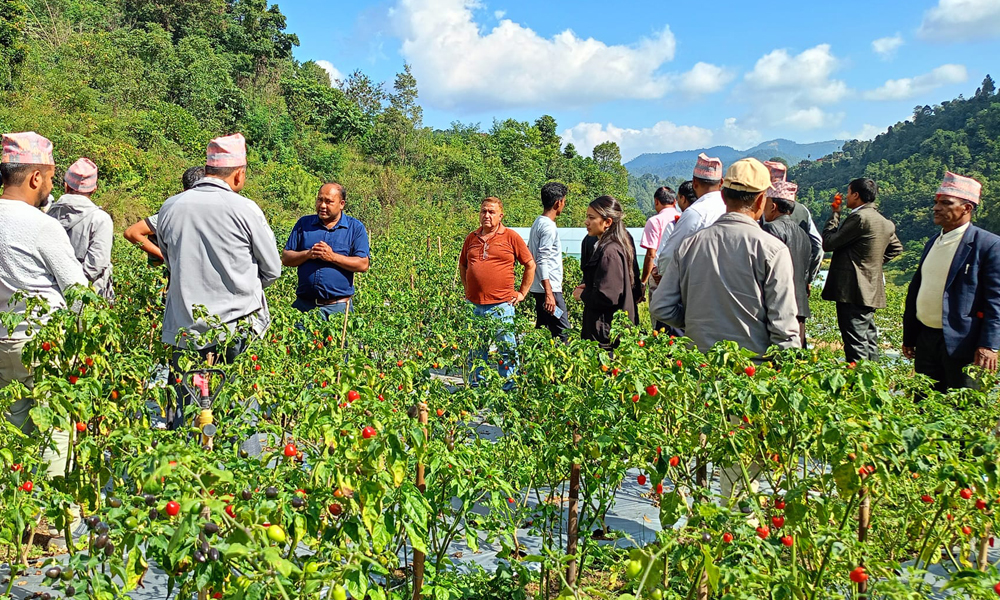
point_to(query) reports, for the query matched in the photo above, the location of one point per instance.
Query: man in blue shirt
(328, 248)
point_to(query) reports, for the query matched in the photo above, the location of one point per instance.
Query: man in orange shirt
(487, 269)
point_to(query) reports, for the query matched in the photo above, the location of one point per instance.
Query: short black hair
(706, 182)
(553, 192)
(738, 198)
(785, 207)
(191, 176)
(340, 189)
(664, 195)
(16, 173)
(864, 187)
(687, 191)
(222, 172)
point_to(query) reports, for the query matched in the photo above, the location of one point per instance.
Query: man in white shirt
(36, 258)
(546, 248)
(952, 314)
(709, 206)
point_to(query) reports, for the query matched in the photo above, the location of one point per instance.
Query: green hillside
(909, 160)
(140, 86)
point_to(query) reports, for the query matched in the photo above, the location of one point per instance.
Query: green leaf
(847, 479)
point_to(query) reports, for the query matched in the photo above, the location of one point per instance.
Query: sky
(663, 75)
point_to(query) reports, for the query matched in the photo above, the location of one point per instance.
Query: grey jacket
(91, 233)
(730, 281)
(791, 234)
(861, 243)
(221, 254)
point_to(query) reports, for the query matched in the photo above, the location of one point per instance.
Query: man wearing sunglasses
(487, 269)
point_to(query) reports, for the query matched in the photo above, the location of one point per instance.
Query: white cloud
(663, 136)
(789, 90)
(459, 65)
(867, 132)
(961, 20)
(911, 87)
(886, 47)
(499, 14)
(705, 78)
(331, 70)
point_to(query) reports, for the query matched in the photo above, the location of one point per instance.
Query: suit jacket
(861, 244)
(971, 297)
(786, 229)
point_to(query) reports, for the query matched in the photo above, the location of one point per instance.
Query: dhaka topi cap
(27, 148)
(961, 187)
(778, 170)
(82, 176)
(227, 151)
(708, 168)
(784, 190)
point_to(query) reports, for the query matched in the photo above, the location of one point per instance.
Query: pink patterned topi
(785, 190)
(958, 186)
(777, 169)
(26, 148)
(82, 176)
(708, 168)
(228, 151)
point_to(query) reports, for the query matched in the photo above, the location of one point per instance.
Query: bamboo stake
(573, 526)
(864, 523)
(418, 556)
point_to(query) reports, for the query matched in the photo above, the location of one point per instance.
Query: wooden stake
(418, 556)
(573, 527)
(439, 246)
(982, 560)
(864, 523)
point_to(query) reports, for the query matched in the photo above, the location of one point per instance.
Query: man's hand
(518, 298)
(986, 359)
(909, 352)
(838, 201)
(550, 303)
(322, 251)
(578, 291)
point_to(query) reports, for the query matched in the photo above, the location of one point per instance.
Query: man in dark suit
(861, 243)
(780, 222)
(952, 316)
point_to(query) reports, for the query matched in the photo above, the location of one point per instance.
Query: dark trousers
(558, 326)
(933, 361)
(802, 331)
(857, 330)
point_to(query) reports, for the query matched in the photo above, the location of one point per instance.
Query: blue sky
(665, 75)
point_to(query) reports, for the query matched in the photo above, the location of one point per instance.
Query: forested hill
(680, 164)
(140, 86)
(909, 160)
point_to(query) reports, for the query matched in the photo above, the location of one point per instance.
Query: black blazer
(971, 297)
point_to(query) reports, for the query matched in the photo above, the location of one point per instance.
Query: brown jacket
(861, 244)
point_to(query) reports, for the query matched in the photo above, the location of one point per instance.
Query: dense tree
(12, 48)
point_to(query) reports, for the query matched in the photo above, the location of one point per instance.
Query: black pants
(933, 361)
(802, 331)
(557, 326)
(857, 330)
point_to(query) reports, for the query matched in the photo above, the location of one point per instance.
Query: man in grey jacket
(90, 229)
(861, 243)
(221, 254)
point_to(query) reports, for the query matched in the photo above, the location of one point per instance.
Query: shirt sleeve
(463, 257)
(294, 241)
(837, 233)
(98, 258)
(152, 221)
(650, 235)
(683, 228)
(57, 255)
(548, 252)
(359, 245)
(521, 252)
(264, 248)
(779, 298)
(666, 305)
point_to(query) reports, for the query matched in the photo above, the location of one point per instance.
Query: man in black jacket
(778, 221)
(952, 316)
(861, 243)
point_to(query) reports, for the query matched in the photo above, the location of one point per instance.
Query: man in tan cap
(952, 315)
(90, 229)
(709, 292)
(221, 254)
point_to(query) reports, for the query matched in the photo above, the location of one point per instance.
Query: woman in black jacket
(610, 275)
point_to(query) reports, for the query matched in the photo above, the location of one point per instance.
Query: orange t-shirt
(489, 276)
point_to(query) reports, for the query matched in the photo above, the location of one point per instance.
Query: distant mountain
(680, 164)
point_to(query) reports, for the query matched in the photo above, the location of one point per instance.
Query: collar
(668, 207)
(499, 231)
(954, 234)
(709, 196)
(737, 217)
(213, 181)
(341, 222)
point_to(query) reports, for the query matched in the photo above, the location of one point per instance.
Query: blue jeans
(326, 310)
(502, 316)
